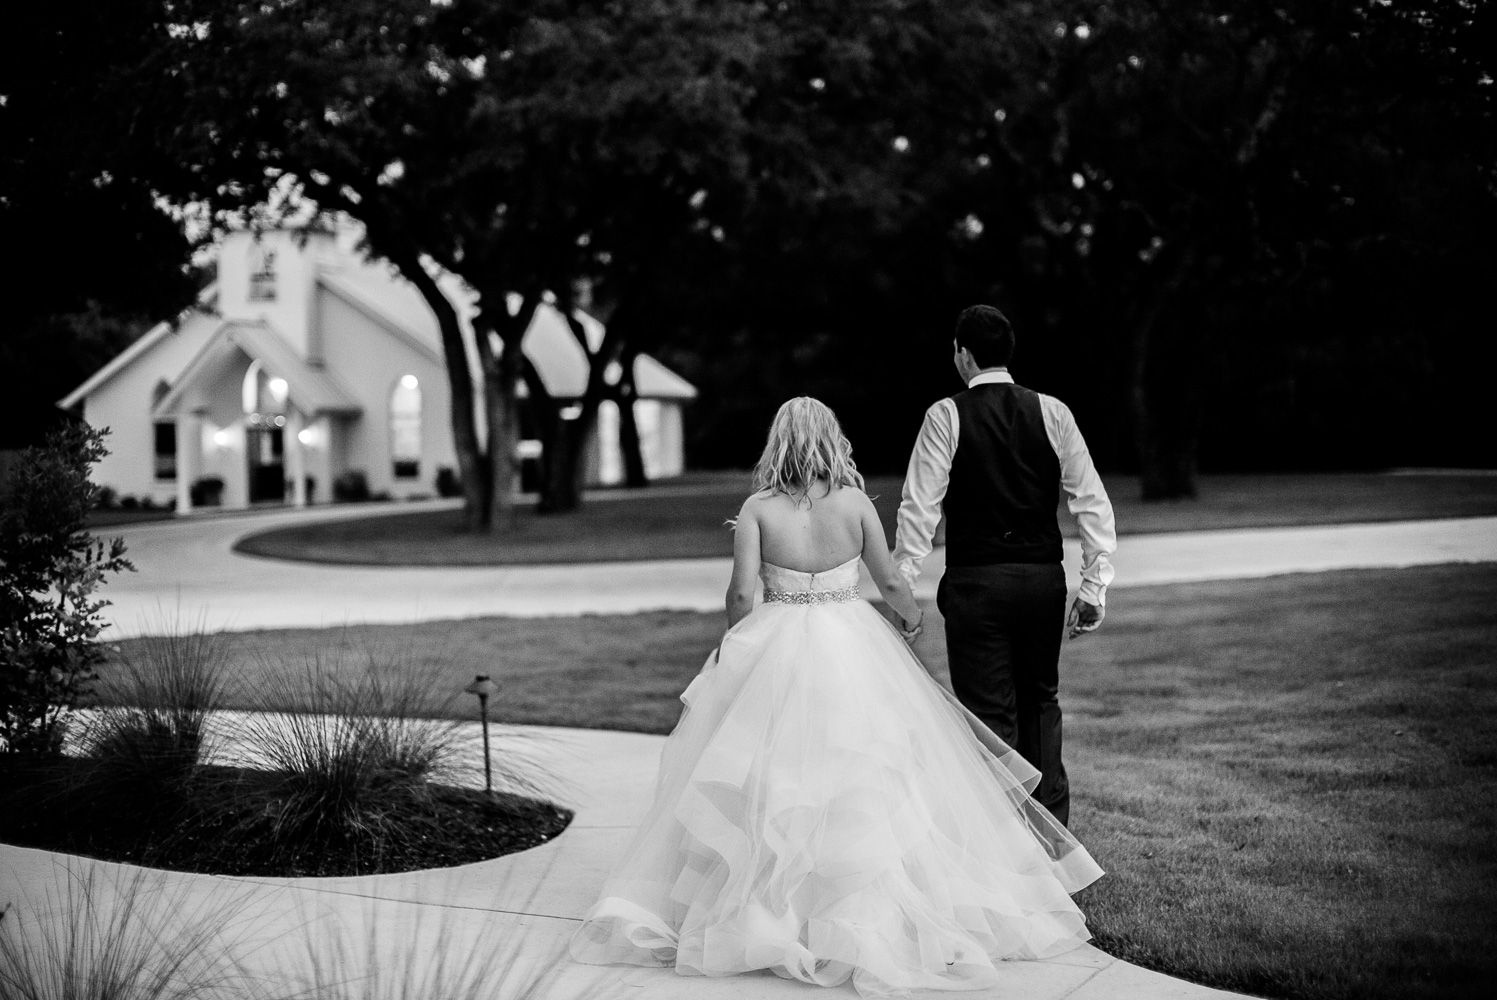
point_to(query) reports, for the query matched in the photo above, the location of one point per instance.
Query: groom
(995, 458)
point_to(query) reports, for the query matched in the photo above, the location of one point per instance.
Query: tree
(488, 139)
(1245, 233)
(310, 105)
(536, 149)
(845, 260)
(92, 261)
(1203, 180)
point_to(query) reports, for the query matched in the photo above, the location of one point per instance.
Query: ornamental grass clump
(456, 955)
(152, 726)
(120, 935)
(345, 772)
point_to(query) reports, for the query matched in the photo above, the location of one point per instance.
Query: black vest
(1005, 480)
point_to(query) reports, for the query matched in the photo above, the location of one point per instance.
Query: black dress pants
(1003, 631)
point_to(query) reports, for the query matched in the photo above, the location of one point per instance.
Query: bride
(824, 809)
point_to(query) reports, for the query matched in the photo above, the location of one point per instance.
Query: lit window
(405, 428)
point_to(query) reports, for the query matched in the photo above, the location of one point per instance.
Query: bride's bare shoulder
(759, 498)
(851, 496)
(756, 503)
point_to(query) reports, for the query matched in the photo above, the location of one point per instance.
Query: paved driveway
(188, 572)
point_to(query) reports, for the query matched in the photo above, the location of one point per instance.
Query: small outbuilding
(306, 365)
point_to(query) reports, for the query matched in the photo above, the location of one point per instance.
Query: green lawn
(1292, 782)
(686, 520)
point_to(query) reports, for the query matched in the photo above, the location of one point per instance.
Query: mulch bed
(221, 822)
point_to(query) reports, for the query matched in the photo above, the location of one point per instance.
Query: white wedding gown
(826, 810)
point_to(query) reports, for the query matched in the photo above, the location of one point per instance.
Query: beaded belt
(842, 596)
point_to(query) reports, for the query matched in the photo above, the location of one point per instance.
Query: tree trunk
(502, 370)
(496, 410)
(634, 460)
(504, 431)
(565, 448)
(559, 492)
(471, 463)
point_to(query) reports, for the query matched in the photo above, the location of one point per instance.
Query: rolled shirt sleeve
(1087, 500)
(924, 489)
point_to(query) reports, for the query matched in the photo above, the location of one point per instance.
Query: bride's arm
(740, 598)
(891, 583)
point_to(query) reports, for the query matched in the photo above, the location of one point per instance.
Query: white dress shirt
(930, 472)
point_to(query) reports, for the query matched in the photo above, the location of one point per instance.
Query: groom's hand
(1083, 618)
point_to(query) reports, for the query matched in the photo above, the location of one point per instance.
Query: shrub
(49, 568)
(147, 502)
(128, 502)
(448, 483)
(207, 492)
(350, 486)
(107, 498)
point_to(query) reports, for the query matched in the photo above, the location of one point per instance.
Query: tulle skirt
(827, 811)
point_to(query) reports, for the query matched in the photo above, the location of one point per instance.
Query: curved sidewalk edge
(188, 572)
(523, 906)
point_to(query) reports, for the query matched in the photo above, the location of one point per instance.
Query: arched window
(249, 393)
(405, 428)
(263, 395)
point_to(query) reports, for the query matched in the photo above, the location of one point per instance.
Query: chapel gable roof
(390, 302)
(142, 345)
(312, 389)
(378, 292)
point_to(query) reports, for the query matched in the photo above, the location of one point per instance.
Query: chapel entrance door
(267, 463)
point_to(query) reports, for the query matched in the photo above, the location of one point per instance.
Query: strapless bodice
(840, 583)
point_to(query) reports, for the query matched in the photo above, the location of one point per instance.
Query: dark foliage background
(91, 262)
(1253, 235)
(1233, 236)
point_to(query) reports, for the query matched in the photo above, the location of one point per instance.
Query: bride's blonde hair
(805, 444)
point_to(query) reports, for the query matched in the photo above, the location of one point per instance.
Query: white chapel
(305, 364)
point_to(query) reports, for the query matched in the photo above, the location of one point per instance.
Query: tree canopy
(92, 260)
(1233, 234)
(1230, 234)
(532, 149)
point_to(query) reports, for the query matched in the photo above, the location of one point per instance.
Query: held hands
(909, 633)
(1083, 618)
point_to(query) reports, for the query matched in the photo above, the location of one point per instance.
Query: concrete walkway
(189, 572)
(487, 930)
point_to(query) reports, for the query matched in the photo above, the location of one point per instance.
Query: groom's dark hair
(987, 334)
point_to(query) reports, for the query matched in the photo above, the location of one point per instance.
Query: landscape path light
(483, 687)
